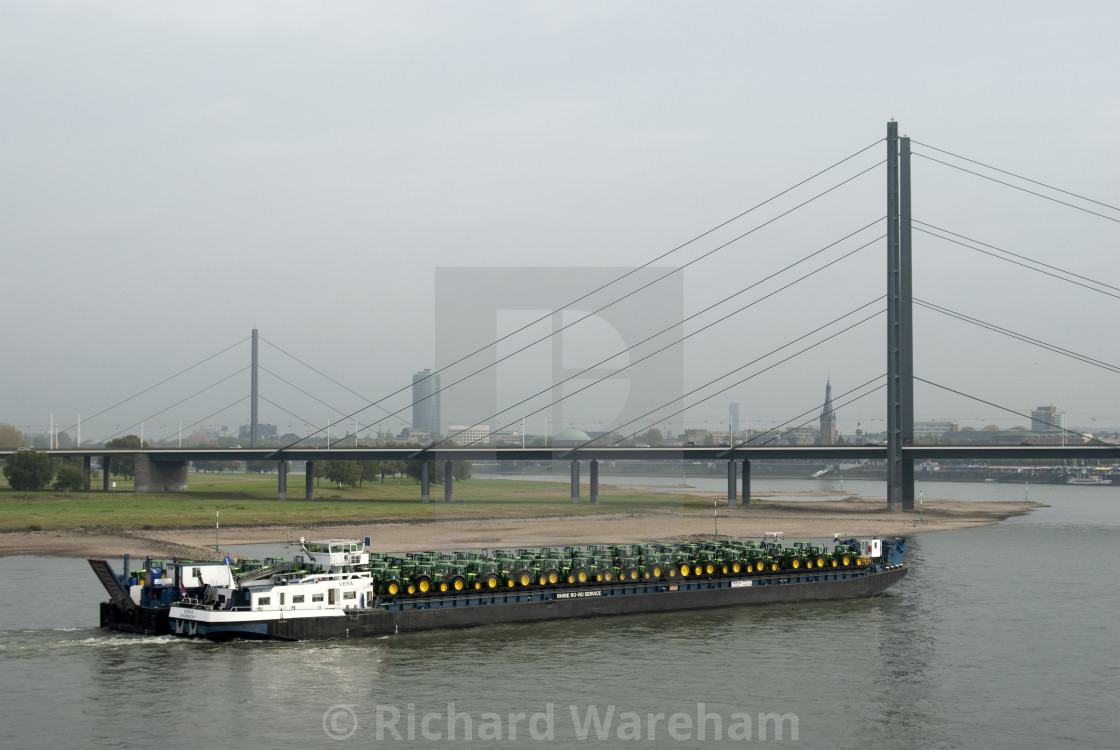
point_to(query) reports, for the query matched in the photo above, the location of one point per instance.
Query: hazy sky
(174, 174)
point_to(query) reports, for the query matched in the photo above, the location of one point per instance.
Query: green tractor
(390, 582)
(629, 569)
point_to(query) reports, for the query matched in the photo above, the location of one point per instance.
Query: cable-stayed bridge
(165, 469)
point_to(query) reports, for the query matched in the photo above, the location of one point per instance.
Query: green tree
(394, 468)
(125, 466)
(652, 436)
(11, 438)
(70, 478)
(216, 466)
(347, 473)
(28, 470)
(373, 469)
(990, 428)
(462, 470)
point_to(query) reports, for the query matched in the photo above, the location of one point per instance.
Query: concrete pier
(157, 477)
(425, 487)
(309, 480)
(594, 481)
(448, 481)
(575, 481)
(746, 482)
(282, 480)
(731, 488)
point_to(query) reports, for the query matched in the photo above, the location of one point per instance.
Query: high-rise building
(1047, 419)
(425, 402)
(734, 419)
(828, 418)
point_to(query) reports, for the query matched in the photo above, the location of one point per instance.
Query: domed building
(570, 438)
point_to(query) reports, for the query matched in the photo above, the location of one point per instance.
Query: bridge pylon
(900, 324)
(253, 396)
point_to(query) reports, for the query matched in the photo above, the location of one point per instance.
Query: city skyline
(175, 210)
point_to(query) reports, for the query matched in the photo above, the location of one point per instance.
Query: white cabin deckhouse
(331, 582)
(335, 555)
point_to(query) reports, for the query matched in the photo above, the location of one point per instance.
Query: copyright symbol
(340, 722)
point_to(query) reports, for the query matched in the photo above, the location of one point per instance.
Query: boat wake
(15, 643)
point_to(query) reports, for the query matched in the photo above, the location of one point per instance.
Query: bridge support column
(900, 335)
(152, 476)
(731, 488)
(105, 473)
(282, 480)
(906, 292)
(448, 480)
(746, 482)
(87, 471)
(575, 481)
(309, 481)
(594, 482)
(425, 488)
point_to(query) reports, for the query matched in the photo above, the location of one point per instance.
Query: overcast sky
(174, 174)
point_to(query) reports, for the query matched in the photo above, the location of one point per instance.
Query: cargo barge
(338, 589)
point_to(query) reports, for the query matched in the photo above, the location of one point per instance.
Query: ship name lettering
(578, 594)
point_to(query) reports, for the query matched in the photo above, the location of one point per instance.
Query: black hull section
(139, 620)
(582, 603)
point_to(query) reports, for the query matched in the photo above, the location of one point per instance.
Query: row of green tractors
(440, 573)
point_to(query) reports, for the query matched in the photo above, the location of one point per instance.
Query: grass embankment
(250, 499)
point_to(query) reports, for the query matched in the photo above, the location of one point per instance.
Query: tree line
(30, 470)
(356, 473)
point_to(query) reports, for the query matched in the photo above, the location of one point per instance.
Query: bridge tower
(900, 329)
(253, 396)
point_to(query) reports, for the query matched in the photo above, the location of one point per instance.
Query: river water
(1001, 637)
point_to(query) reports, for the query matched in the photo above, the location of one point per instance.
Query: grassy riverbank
(250, 499)
(486, 513)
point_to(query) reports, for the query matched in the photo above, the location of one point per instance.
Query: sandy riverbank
(854, 516)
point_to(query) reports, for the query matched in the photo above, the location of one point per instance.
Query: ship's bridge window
(297, 598)
(349, 594)
(316, 597)
(264, 601)
(196, 572)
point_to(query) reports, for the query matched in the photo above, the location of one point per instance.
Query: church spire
(828, 417)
